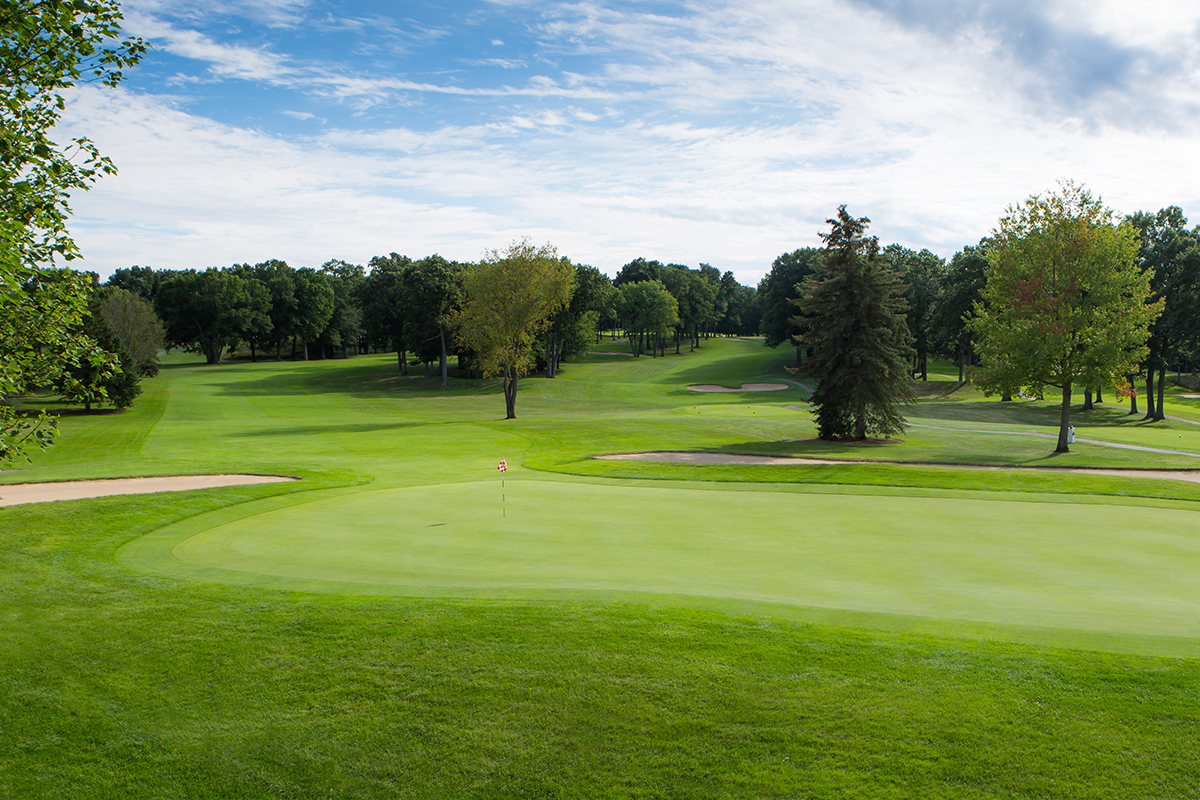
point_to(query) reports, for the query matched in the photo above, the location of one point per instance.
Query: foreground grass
(129, 683)
(118, 685)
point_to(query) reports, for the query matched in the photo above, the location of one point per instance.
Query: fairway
(1117, 569)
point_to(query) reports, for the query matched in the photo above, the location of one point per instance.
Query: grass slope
(652, 657)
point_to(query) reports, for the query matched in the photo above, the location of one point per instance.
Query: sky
(723, 132)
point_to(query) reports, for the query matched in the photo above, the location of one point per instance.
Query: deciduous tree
(132, 320)
(962, 288)
(573, 327)
(314, 305)
(778, 289)
(207, 311)
(1170, 254)
(46, 46)
(923, 273)
(650, 314)
(509, 296)
(430, 292)
(1065, 302)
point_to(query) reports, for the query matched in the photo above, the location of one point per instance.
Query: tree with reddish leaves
(1065, 302)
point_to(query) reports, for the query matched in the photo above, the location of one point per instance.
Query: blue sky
(717, 132)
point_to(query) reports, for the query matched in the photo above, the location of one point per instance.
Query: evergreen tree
(852, 318)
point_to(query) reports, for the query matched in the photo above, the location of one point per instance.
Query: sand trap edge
(19, 493)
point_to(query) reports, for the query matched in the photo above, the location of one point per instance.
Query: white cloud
(225, 61)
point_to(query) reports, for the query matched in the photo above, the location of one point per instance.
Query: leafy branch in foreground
(46, 46)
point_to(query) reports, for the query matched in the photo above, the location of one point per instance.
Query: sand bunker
(16, 493)
(1192, 475)
(746, 387)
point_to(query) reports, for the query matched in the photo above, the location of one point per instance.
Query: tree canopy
(510, 295)
(206, 311)
(46, 46)
(1065, 302)
(650, 314)
(1170, 254)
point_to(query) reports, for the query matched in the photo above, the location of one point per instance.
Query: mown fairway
(625, 629)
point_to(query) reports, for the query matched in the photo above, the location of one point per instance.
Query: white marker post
(503, 502)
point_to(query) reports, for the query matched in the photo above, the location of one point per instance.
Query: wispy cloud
(223, 60)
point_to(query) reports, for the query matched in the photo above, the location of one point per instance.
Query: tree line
(396, 303)
(1063, 293)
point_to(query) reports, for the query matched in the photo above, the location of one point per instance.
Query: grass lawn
(624, 629)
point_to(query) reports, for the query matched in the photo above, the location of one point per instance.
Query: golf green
(1125, 569)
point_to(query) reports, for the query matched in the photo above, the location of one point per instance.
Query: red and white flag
(503, 467)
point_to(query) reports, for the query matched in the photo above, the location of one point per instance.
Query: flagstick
(503, 499)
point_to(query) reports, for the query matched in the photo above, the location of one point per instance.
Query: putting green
(1118, 569)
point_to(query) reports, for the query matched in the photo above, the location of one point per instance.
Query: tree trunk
(961, 358)
(1005, 397)
(1133, 409)
(306, 349)
(253, 354)
(400, 362)
(1064, 421)
(510, 393)
(924, 366)
(1149, 391)
(1099, 399)
(1162, 383)
(445, 369)
(860, 426)
(1087, 400)
(279, 349)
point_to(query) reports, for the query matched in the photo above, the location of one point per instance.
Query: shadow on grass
(1025, 413)
(363, 427)
(366, 380)
(936, 389)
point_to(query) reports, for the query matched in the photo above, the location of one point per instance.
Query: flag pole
(503, 468)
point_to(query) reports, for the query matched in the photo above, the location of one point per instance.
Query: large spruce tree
(853, 320)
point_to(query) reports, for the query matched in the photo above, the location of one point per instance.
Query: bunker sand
(18, 493)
